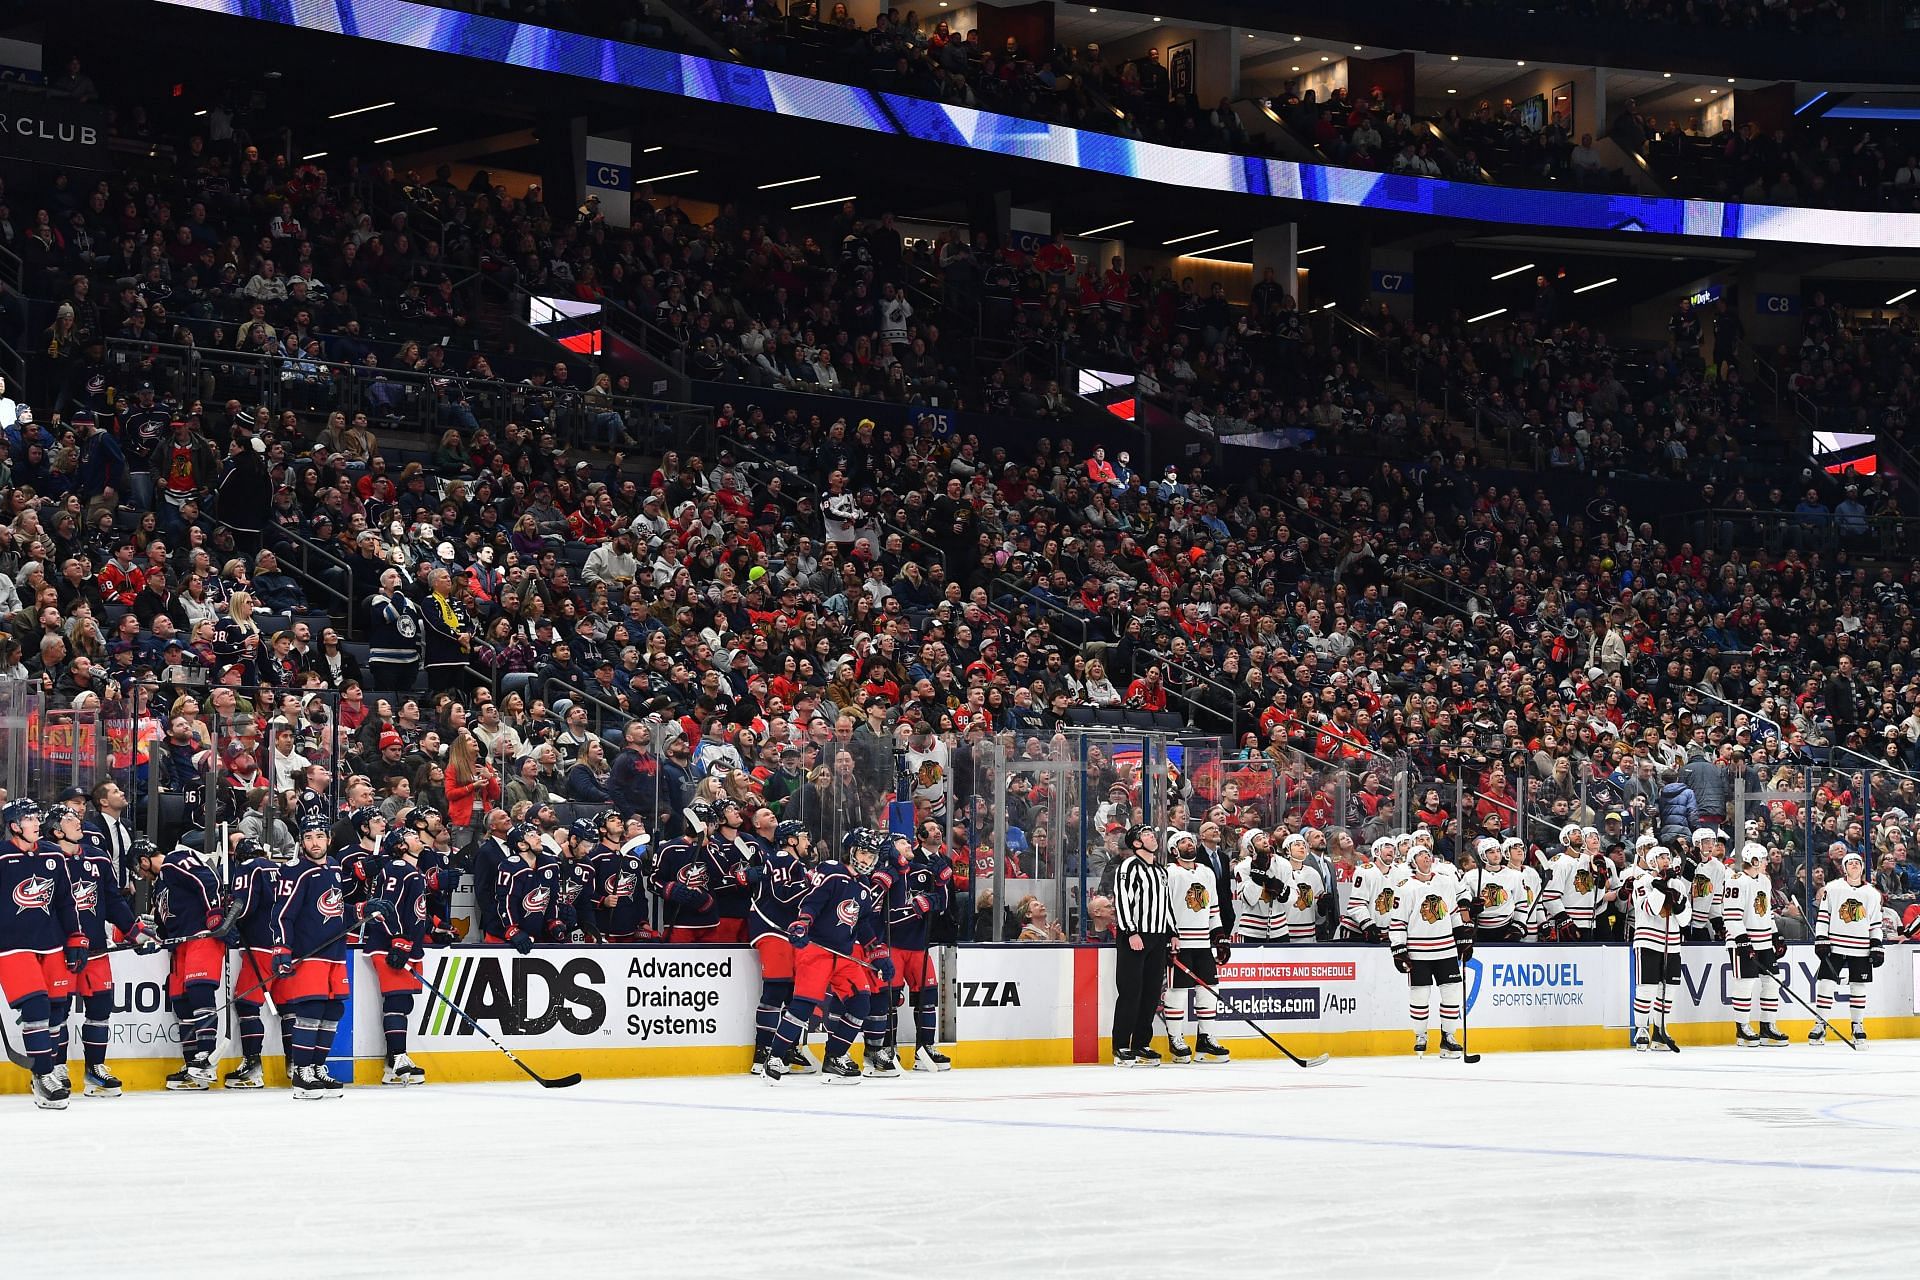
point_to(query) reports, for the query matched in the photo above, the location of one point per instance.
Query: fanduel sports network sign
(52, 130)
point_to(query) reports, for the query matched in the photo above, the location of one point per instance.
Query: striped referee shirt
(1140, 902)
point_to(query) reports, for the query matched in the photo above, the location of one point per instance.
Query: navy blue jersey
(886, 888)
(442, 879)
(254, 890)
(311, 921)
(491, 863)
(186, 897)
(529, 896)
(237, 642)
(684, 878)
(394, 629)
(575, 894)
(732, 895)
(36, 901)
(929, 893)
(359, 867)
(405, 886)
(837, 913)
(782, 881)
(619, 905)
(98, 899)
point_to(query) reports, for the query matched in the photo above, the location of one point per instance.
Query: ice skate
(305, 1088)
(881, 1065)
(1206, 1049)
(774, 1070)
(1859, 1035)
(1179, 1051)
(928, 1058)
(324, 1081)
(1449, 1047)
(801, 1063)
(102, 1083)
(1772, 1036)
(1818, 1035)
(1663, 1041)
(403, 1071)
(247, 1075)
(1149, 1057)
(1419, 1044)
(1125, 1058)
(191, 1077)
(759, 1067)
(49, 1093)
(841, 1070)
(1642, 1040)
(1744, 1037)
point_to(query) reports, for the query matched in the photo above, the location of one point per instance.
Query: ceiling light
(1598, 284)
(313, 155)
(1231, 244)
(1325, 58)
(1513, 272)
(815, 204)
(1453, 91)
(1699, 99)
(1486, 315)
(1249, 35)
(1295, 68)
(650, 150)
(1901, 297)
(1454, 58)
(1093, 11)
(342, 115)
(1296, 39)
(1666, 75)
(1156, 19)
(664, 177)
(202, 111)
(411, 133)
(1198, 235)
(1729, 79)
(787, 182)
(1312, 248)
(1521, 63)
(1111, 226)
(1330, 306)
(1356, 48)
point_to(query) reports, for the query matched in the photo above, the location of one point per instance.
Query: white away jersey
(1849, 918)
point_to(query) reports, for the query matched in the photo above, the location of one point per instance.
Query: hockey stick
(1298, 1061)
(561, 1082)
(1464, 1055)
(1845, 1039)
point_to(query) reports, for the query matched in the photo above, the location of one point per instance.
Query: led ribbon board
(408, 24)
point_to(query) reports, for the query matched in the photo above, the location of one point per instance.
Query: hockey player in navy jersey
(577, 911)
(619, 905)
(360, 859)
(833, 927)
(529, 904)
(61, 834)
(780, 877)
(253, 889)
(442, 872)
(886, 887)
(685, 879)
(186, 906)
(729, 848)
(41, 943)
(395, 933)
(100, 901)
(929, 895)
(310, 929)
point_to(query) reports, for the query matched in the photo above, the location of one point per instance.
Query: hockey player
(1708, 874)
(1849, 936)
(100, 901)
(61, 834)
(1199, 940)
(1261, 888)
(360, 859)
(395, 934)
(685, 878)
(929, 892)
(529, 907)
(1575, 887)
(1662, 909)
(1363, 918)
(1756, 949)
(833, 925)
(1304, 890)
(780, 879)
(186, 905)
(576, 884)
(310, 929)
(728, 847)
(253, 889)
(886, 887)
(618, 903)
(42, 945)
(1431, 937)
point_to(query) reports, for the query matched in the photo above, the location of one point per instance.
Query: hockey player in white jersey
(1498, 891)
(1576, 885)
(1526, 907)
(1849, 936)
(1662, 908)
(1260, 890)
(1431, 937)
(1304, 887)
(1756, 950)
(1369, 897)
(1199, 942)
(1709, 886)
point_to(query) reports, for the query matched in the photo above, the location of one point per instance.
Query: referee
(1143, 930)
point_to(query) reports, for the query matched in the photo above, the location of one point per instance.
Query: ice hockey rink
(1715, 1162)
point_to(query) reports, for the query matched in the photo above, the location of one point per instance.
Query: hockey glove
(557, 931)
(1463, 938)
(1372, 934)
(399, 954)
(1779, 954)
(681, 895)
(283, 963)
(797, 931)
(922, 906)
(380, 908)
(1878, 955)
(76, 952)
(217, 926)
(882, 963)
(1221, 951)
(520, 940)
(143, 940)
(1824, 950)
(1676, 897)
(1743, 949)
(1400, 961)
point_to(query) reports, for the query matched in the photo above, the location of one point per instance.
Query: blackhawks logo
(1384, 902)
(1583, 881)
(1853, 911)
(1196, 897)
(1493, 895)
(1702, 887)
(1433, 908)
(1760, 903)
(1303, 896)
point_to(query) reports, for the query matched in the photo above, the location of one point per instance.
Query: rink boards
(689, 1010)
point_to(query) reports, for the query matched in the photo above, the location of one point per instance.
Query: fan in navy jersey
(100, 901)
(395, 933)
(684, 878)
(186, 905)
(253, 888)
(41, 944)
(886, 887)
(834, 925)
(577, 879)
(780, 877)
(929, 892)
(310, 930)
(529, 894)
(619, 904)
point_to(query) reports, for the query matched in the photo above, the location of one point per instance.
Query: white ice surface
(1718, 1162)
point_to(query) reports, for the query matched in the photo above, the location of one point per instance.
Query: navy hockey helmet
(863, 856)
(248, 847)
(857, 838)
(363, 819)
(584, 829)
(788, 830)
(18, 812)
(59, 813)
(316, 822)
(421, 817)
(705, 814)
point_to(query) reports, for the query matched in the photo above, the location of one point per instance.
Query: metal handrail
(309, 548)
(1059, 609)
(1868, 761)
(579, 694)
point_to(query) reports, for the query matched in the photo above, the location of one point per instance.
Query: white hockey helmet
(1421, 836)
(1703, 834)
(1645, 840)
(1182, 844)
(1570, 833)
(1753, 853)
(1484, 846)
(1853, 855)
(1286, 846)
(1590, 833)
(1382, 847)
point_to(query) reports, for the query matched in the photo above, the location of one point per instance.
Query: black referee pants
(1139, 977)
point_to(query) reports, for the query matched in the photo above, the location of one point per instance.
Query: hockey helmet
(704, 814)
(1701, 835)
(1135, 834)
(1382, 847)
(863, 856)
(1570, 833)
(1853, 855)
(396, 843)
(858, 838)
(788, 830)
(363, 819)
(584, 829)
(59, 813)
(1183, 845)
(1296, 840)
(247, 847)
(1753, 854)
(19, 812)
